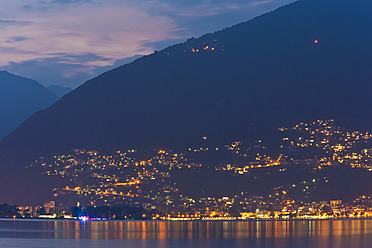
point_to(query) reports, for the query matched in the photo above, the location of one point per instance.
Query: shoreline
(175, 221)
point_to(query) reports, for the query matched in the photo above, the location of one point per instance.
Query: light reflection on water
(256, 234)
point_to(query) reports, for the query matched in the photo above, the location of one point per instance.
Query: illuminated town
(150, 180)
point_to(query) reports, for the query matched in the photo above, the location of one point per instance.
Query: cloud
(69, 1)
(16, 39)
(197, 17)
(115, 31)
(13, 23)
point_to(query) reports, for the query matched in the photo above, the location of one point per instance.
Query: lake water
(199, 234)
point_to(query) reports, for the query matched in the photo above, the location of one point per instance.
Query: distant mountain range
(20, 98)
(307, 60)
(59, 90)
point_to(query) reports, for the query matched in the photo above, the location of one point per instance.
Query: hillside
(305, 61)
(20, 98)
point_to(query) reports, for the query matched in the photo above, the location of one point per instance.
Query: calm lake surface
(199, 234)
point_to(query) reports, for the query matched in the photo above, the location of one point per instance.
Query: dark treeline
(8, 211)
(117, 212)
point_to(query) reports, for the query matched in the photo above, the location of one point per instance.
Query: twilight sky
(66, 42)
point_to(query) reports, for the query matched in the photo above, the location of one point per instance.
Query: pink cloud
(108, 30)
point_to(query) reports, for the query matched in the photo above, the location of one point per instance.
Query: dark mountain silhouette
(307, 60)
(59, 90)
(19, 98)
